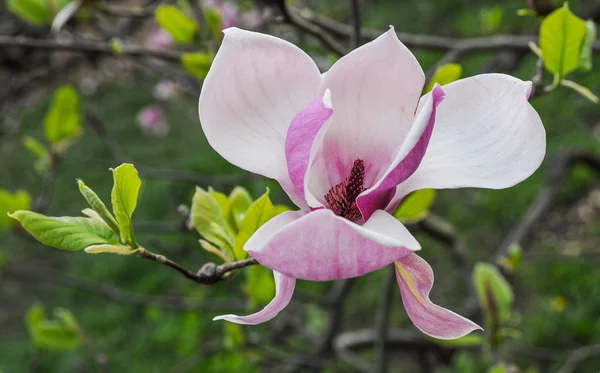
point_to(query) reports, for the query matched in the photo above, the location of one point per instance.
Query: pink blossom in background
(349, 145)
(158, 38)
(165, 90)
(152, 122)
(229, 12)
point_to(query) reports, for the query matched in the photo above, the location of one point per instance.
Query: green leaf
(498, 368)
(491, 19)
(116, 45)
(98, 206)
(587, 49)
(416, 206)
(494, 292)
(561, 37)
(584, 91)
(445, 74)
(222, 200)
(35, 12)
(11, 202)
(471, 340)
(63, 120)
(208, 219)
(197, 64)
(182, 28)
(67, 233)
(260, 212)
(234, 336)
(240, 201)
(124, 197)
(260, 285)
(213, 21)
(40, 151)
(61, 334)
(109, 249)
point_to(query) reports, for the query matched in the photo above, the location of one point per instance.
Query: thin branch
(383, 317)
(355, 39)
(579, 356)
(87, 47)
(50, 276)
(293, 18)
(209, 274)
(43, 200)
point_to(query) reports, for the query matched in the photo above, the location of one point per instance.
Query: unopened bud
(542, 7)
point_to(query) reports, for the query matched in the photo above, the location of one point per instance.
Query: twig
(578, 356)
(87, 47)
(51, 276)
(209, 274)
(383, 317)
(355, 39)
(43, 200)
(291, 17)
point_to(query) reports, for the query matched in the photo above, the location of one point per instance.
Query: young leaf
(587, 49)
(98, 206)
(445, 74)
(39, 151)
(197, 64)
(182, 28)
(222, 200)
(491, 19)
(109, 249)
(498, 368)
(61, 334)
(260, 212)
(66, 233)
(213, 21)
(35, 12)
(10, 202)
(63, 120)
(416, 206)
(561, 37)
(34, 316)
(207, 217)
(234, 336)
(494, 292)
(260, 285)
(240, 201)
(124, 197)
(584, 91)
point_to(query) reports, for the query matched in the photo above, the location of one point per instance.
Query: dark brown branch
(383, 316)
(51, 276)
(87, 47)
(578, 356)
(293, 18)
(355, 39)
(209, 274)
(43, 200)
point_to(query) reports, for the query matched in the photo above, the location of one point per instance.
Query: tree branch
(578, 356)
(383, 317)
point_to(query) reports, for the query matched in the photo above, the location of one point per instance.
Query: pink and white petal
(486, 135)
(415, 279)
(407, 159)
(375, 90)
(256, 85)
(302, 133)
(321, 246)
(284, 289)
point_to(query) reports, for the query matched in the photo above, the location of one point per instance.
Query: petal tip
(327, 99)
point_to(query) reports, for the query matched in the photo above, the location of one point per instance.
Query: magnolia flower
(151, 121)
(347, 146)
(159, 38)
(165, 90)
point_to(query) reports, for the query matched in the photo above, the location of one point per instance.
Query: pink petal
(486, 135)
(284, 289)
(407, 160)
(255, 87)
(415, 279)
(375, 90)
(321, 246)
(301, 134)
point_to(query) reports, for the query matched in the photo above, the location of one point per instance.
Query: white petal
(256, 85)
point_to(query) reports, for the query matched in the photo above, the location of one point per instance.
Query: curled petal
(375, 90)
(301, 134)
(415, 279)
(321, 246)
(486, 135)
(407, 160)
(256, 85)
(284, 289)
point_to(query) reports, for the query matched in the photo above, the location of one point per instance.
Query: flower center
(342, 197)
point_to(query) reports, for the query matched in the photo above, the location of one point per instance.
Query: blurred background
(136, 95)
